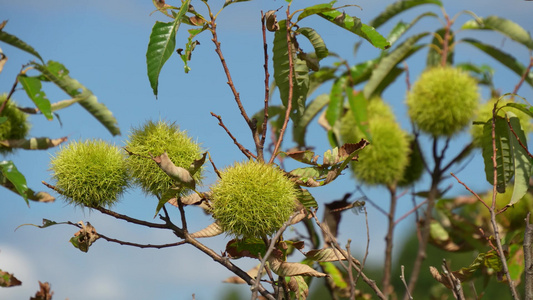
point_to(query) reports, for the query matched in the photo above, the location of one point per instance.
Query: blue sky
(103, 44)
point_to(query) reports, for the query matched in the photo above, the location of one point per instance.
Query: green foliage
(90, 173)
(155, 138)
(484, 114)
(253, 199)
(15, 127)
(443, 101)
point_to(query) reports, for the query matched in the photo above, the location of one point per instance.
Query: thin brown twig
(371, 283)
(367, 247)
(114, 214)
(269, 251)
(414, 209)
(407, 79)
(523, 78)
(241, 147)
(473, 193)
(213, 164)
(291, 83)
(402, 277)
(389, 242)
(350, 274)
(267, 88)
(236, 96)
(528, 259)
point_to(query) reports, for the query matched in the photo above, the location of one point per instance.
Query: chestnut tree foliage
(255, 200)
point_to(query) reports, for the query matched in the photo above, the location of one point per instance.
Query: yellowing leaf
(283, 268)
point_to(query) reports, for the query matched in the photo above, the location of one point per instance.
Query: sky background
(103, 44)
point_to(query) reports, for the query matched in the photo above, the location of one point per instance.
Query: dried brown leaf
(283, 268)
(211, 230)
(252, 272)
(271, 21)
(8, 279)
(84, 238)
(45, 293)
(179, 174)
(327, 254)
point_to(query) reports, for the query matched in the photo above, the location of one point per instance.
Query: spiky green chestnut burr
(415, 168)
(15, 127)
(485, 113)
(384, 161)
(252, 199)
(156, 138)
(443, 101)
(90, 173)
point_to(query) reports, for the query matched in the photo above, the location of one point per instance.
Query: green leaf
(316, 9)
(504, 153)
(281, 73)
(354, 24)
(9, 171)
(3, 119)
(358, 104)
(336, 101)
(172, 192)
(16, 42)
(161, 45)
(316, 79)
(522, 164)
(334, 274)
(434, 58)
(33, 88)
(503, 26)
(316, 40)
(190, 46)
(390, 78)
(306, 199)
(310, 112)
(399, 54)
(506, 59)
(525, 108)
(398, 7)
(58, 74)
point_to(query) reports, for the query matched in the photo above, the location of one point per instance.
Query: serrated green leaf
(18, 43)
(434, 58)
(354, 25)
(316, 40)
(310, 112)
(306, 199)
(503, 26)
(162, 44)
(10, 171)
(504, 58)
(522, 163)
(399, 54)
(282, 70)
(33, 89)
(58, 74)
(336, 101)
(504, 154)
(398, 7)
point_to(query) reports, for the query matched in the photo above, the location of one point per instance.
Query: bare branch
(241, 147)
